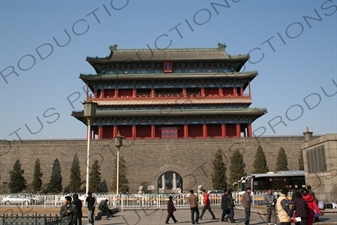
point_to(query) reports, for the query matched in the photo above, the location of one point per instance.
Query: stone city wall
(146, 159)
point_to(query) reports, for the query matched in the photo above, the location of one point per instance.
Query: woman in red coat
(170, 211)
(312, 206)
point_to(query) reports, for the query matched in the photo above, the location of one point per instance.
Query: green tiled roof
(173, 54)
(88, 77)
(177, 112)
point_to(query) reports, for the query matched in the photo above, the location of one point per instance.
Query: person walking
(270, 201)
(224, 206)
(247, 204)
(207, 205)
(78, 204)
(91, 204)
(282, 205)
(193, 200)
(312, 206)
(300, 208)
(68, 212)
(170, 210)
(231, 205)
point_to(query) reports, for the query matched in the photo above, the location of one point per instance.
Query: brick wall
(146, 159)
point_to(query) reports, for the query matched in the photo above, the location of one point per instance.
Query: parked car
(37, 199)
(215, 195)
(221, 192)
(15, 199)
(98, 198)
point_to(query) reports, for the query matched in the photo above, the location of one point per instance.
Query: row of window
(170, 66)
(172, 107)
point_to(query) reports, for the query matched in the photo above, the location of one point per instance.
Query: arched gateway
(170, 182)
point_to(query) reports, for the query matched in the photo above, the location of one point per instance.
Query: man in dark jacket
(170, 210)
(224, 206)
(230, 205)
(78, 205)
(91, 204)
(68, 212)
(103, 207)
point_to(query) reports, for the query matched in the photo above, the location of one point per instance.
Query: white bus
(260, 183)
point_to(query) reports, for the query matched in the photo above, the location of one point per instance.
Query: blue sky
(292, 46)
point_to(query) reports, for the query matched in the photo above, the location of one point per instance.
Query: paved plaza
(157, 217)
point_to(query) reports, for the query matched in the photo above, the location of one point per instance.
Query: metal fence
(34, 219)
(144, 201)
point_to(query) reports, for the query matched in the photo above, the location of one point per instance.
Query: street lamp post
(89, 114)
(118, 144)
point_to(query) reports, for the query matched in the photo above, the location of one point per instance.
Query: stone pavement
(157, 217)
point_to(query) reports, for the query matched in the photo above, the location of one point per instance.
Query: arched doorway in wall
(170, 182)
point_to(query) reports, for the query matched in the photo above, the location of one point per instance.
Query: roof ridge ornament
(222, 46)
(113, 47)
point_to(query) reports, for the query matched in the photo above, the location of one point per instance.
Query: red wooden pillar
(204, 130)
(220, 91)
(184, 92)
(114, 131)
(223, 130)
(238, 130)
(185, 130)
(241, 91)
(202, 91)
(100, 132)
(153, 92)
(134, 131)
(153, 131)
(134, 92)
(250, 132)
(234, 91)
(116, 93)
(250, 95)
(102, 93)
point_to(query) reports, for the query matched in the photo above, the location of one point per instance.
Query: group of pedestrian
(71, 211)
(193, 201)
(305, 206)
(227, 206)
(302, 211)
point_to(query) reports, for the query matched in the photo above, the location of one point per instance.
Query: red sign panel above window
(169, 132)
(168, 67)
